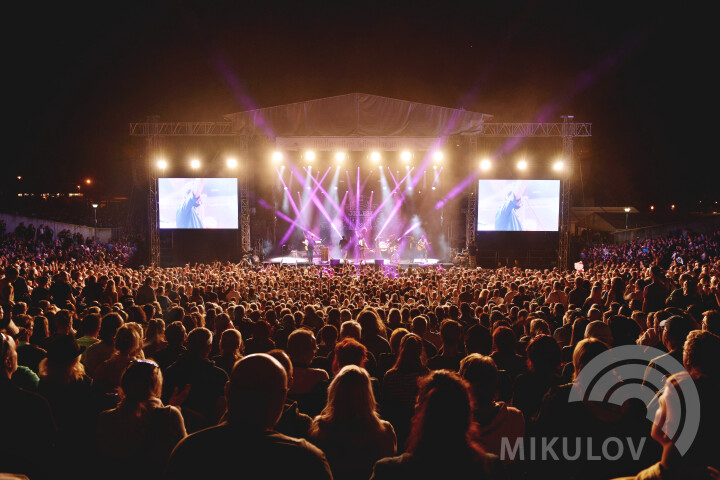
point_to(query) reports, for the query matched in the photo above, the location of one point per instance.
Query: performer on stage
(309, 243)
(422, 246)
(343, 246)
(363, 244)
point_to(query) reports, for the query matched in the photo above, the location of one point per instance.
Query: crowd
(678, 248)
(228, 370)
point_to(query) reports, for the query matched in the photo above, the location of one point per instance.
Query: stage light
(485, 164)
(162, 164)
(433, 188)
(231, 163)
(277, 157)
(195, 163)
(375, 157)
(558, 165)
(438, 156)
(672, 207)
(652, 207)
(309, 155)
(406, 156)
(627, 209)
(340, 157)
(522, 165)
(88, 181)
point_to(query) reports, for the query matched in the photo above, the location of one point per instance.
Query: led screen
(198, 203)
(518, 205)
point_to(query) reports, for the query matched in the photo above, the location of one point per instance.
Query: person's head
(63, 322)
(543, 354)
(481, 373)
(141, 381)
(199, 342)
(350, 329)
(585, 351)
(451, 333)
(624, 330)
(256, 392)
(63, 360)
(701, 355)
(442, 425)
(675, 331)
(504, 340)
(600, 330)
(411, 357)
(231, 343)
(370, 323)
(478, 340)
(419, 325)
(127, 341)
(301, 347)
(328, 334)
(395, 338)
(155, 330)
(538, 326)
(8, 355)
(350, 400)
(349, 352)
(175, 334)
(90, 326)
(711, 321)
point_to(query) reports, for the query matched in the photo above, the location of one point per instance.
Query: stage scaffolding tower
(568, 131)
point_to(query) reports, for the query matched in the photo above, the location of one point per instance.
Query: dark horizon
(632, 70)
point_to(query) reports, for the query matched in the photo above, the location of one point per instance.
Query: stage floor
(300, 261)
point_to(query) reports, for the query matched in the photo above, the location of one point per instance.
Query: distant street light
(95, 205)
(627, 212)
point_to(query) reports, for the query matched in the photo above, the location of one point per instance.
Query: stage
(403, 263)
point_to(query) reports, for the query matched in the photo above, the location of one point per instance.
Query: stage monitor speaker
(379, 263)
(335, 262)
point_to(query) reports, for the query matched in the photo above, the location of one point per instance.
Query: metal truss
(567, 130)
(182, 129)
(536, 129)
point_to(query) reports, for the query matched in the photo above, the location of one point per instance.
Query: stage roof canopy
(357, 114)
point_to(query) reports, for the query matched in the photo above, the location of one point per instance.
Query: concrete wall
(12, 221)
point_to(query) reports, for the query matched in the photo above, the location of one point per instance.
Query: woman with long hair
(400, 385)
(441, 442)
(349, 429)
(137, 436)
(109, 296)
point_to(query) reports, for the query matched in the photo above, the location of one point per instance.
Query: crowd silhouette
(228, 370)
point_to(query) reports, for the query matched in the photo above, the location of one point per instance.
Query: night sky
(638, 71)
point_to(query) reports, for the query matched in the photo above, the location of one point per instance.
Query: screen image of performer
(507, 217)
(187, 215)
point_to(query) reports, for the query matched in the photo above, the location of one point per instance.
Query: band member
(309, 243)
(363, 244)
(187, 214)
(507, 217)
(343, 246)
(422, 246)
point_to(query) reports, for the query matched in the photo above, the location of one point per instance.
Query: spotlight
(627, 209)
(558, 165)
(375, 157)
(433, 188)
(438, 156)
(522, 165)
(406, 156)
(485, 164)
(195, 163)
(162, 164)
(231, 163)
(340, 157)
(277, 157)
(309, 155)
(88, 181)
(652, 207)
